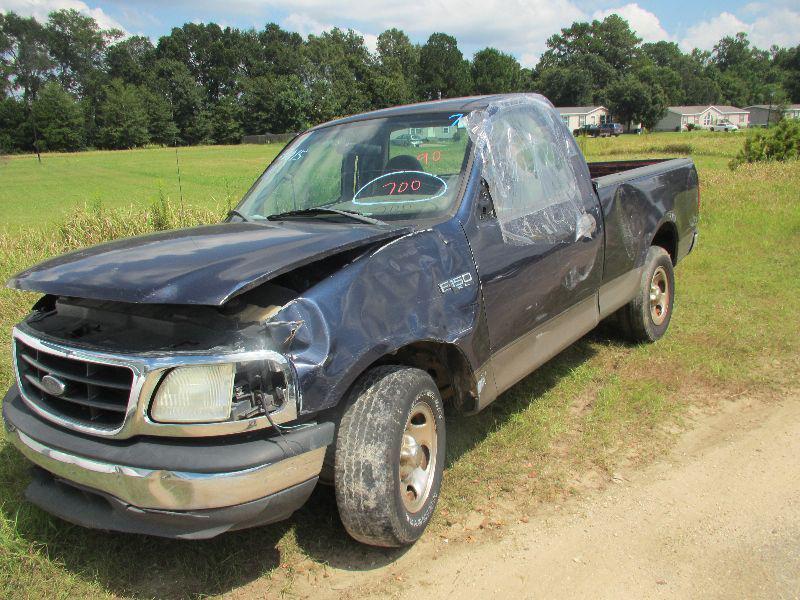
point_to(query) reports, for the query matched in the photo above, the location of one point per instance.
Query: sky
(520, 27)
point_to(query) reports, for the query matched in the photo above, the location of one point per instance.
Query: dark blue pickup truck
(192, 382)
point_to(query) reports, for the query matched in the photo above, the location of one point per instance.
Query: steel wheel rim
(659, 296)
(418, 457)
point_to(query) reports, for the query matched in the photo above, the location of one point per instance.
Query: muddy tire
(647, 316)
(390, 451)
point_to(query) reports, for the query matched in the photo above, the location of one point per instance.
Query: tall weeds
(93, 224)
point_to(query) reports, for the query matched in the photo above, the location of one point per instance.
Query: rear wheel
(647, 316)
(390, 456)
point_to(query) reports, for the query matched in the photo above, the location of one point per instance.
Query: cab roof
(455, 105)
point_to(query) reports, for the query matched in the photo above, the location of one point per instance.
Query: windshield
(396, 168)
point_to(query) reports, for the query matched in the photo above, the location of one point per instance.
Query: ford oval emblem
(53, 385)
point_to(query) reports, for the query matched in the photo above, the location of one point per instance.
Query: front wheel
(390, 452)
(647, 316)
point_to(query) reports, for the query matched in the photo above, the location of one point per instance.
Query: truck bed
(599, 170)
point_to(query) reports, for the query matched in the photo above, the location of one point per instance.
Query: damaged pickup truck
(192, 382)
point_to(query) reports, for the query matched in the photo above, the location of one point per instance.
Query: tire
(647, 316)
(377, 468)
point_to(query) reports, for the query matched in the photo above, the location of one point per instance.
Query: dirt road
(719, 517)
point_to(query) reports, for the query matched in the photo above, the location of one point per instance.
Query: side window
(529, 166)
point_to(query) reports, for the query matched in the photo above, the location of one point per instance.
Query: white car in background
(723, 126)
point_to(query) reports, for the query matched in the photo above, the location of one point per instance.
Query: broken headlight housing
(222, 392)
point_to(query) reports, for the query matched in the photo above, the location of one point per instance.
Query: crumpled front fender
(420, 287)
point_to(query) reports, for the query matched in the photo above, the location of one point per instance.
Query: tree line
(68, 84)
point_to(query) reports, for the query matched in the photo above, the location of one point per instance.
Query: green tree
(59, 119)
(132, 60)
(340, 74)
(26, 62)
(77, 45)
(610, 41)
(161, 126)
(494, 72)
(275, 52)
(122, 117)
(276, 104)
(15, 129)
(442, 68)
(685, 78)
(185, 98)
(565, 86)
(5, 59)
(632, 101)
(211, 55)
(226, 121)
(666, 79)
(788, 64)
(732, 52)
(397, 69)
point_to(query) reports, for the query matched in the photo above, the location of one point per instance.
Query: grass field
(596, 405)
(212, 177)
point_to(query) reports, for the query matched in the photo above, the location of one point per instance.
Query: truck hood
(201, 265)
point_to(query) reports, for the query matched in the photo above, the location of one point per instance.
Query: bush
(781, 142)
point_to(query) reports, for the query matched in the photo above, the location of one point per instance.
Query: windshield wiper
(302, 212)
(236, 213)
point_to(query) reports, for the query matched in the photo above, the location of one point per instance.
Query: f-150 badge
(456, 283)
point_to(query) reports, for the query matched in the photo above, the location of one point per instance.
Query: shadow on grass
(147, 567)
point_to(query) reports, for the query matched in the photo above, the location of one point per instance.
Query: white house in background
(678, 117)
(575, 117)
(434, 133)
(759, 113)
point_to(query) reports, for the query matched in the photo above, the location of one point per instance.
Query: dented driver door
(539, 256)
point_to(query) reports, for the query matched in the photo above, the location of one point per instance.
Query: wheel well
(667, 238)
(446, 364)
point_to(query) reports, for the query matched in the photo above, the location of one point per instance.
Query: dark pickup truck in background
(192, 382)
(601, 130)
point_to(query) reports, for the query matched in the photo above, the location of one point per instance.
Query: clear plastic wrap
(536, 174)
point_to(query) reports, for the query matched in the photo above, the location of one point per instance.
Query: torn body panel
(379, 304)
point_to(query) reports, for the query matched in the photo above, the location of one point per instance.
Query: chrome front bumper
(171, 490)
(177, 488)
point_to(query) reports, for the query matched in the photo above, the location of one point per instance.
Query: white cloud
(305, 25)
(370, 41)
(41, 8)
(777, 26)
(646, 24)
(771, 25)
(705, 34)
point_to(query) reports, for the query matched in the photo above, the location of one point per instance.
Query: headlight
(196, 394)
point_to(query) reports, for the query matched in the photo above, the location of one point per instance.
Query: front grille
(94, 394)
